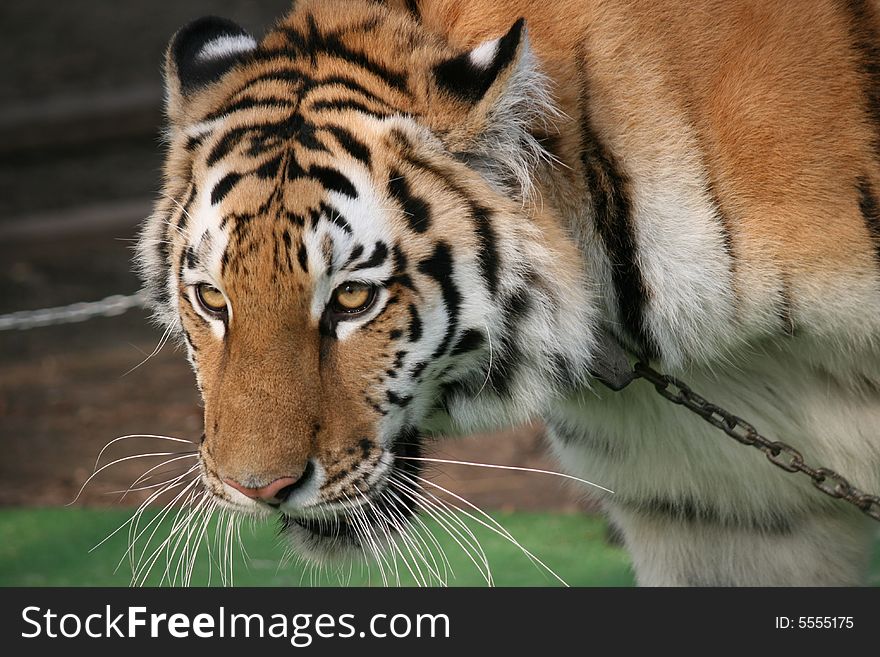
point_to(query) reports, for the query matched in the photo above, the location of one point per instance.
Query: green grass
(50, 547)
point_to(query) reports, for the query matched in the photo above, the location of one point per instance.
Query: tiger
(386, 221)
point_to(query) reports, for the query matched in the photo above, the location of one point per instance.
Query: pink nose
(272, 493)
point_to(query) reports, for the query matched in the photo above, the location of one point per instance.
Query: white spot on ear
(484, 54)
(225, 46)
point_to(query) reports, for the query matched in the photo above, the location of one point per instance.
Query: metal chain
(75, 312)
(780, 454)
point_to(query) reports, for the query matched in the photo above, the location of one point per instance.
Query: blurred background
(80, 112)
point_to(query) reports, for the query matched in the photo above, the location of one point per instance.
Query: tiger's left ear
(488, 100)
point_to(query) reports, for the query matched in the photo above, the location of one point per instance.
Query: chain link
(780, 454)
(110, 306)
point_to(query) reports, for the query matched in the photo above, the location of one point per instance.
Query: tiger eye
(211, 298)
(353, 297)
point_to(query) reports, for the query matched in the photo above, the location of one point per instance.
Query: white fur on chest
(644, 447)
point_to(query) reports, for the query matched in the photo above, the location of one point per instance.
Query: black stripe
(356, 253)
(331, 45)
(415, 324)
(294, 218)
(333, 180)
(338, 220)
(412, 6)
(866, 41)
(224, 262)
(189, 340)
(309, 84)
(345, 104)
(440, 267)
(269, 169)
(276, 255)
(192, 143)
(870, 209)
(418, 368)
(263, 136)
(222, 188)
(288, 243)
(690, 512)
(284, 75)
(335, 217)
(307, 135)
(784, 309)
(608, 186)
(315, 217)
(357, 149)
(350, 84)
(416, 209)
(400, 261)
(251, 102)
(159, 285)
(183, 215)
(378, 257)
(487, 251)
(191, 258)
(315, 44)
(302, 257)
(470, 340)
(398, 400)
(228, 141)
(293, 169)
(181, 264)
(446, 177)
(509, 353)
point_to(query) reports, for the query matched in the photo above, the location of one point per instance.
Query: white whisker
(495, 526)
(145, 476)
(507, 467)
(162, 341)
(126, 491)
(104, 467)
(447, 522)
(138, 435)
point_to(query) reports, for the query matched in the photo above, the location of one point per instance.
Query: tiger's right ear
(198, 55)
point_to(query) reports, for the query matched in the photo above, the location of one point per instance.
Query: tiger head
(349, 246)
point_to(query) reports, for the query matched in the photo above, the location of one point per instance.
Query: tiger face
(348, 248)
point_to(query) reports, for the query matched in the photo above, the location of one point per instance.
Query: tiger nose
(273, 493)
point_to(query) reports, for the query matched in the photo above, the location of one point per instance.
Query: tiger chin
(385, 217)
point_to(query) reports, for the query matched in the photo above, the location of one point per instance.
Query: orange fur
(708, 189)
